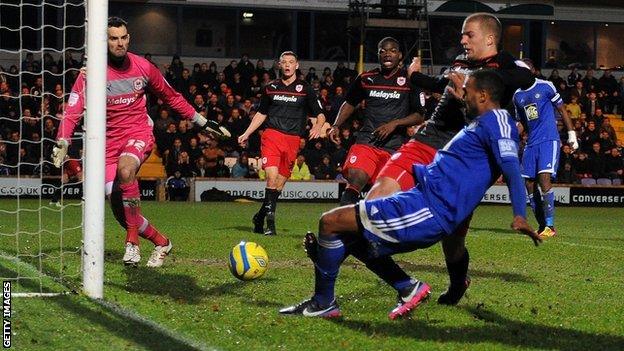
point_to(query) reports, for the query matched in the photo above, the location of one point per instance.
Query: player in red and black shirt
(391, 106)
(285, 104)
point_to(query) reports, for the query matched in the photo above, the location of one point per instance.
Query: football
(248, 261)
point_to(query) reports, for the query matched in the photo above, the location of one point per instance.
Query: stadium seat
(604, 181)
(617, 181)
(152, 167)
(588, 181)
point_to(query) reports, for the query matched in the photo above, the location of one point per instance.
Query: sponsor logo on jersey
(298, 88)
(384, 95)
(530, 111)
(137, 84)
(401, 81)
(507, 148)
(73, 99)
(284, 98)
(353, 159)
(120, 100)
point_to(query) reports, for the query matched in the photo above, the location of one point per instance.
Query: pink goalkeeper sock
(131, 198)
(149, 232)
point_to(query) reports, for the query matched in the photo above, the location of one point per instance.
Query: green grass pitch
(566, 294)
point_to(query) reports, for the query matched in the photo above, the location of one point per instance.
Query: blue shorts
(398, 223)
(541, 158)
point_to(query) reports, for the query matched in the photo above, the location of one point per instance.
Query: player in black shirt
(390, 108)
(285, 104)
(481, 33)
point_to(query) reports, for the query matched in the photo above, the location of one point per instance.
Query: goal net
(42, 48)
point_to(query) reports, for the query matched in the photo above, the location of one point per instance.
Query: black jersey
(288, 106)
(449, 116)
(387, 98)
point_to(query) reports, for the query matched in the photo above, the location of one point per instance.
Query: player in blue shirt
(448, 191)
(535, 110)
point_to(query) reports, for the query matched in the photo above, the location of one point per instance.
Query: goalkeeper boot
(410, 298)
(548, 232)
(310, 246)
(270, 219)
(158, 255)
(311, 308)
(258, 223)
(454, 293)
(132, 256)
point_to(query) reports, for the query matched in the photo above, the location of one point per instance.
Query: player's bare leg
(548, 204)
(357, 179)
(275, 184)
(384, 186)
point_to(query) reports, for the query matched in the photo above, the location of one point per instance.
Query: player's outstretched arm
(520, 224)
(567, 121)
(73, 114)
(256, 122)
(384, 130)
(317, 128)
(345, 111)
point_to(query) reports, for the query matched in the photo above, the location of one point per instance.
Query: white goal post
(95, 128)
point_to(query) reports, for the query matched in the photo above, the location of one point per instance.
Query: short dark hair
(488, 22)
(491, 82)
(117, 22)
(388, 39)
(289, 53)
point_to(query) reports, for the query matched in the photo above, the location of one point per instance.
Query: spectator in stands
(212, 152)
(198, 103)
(573, 77)
(183, 83)
(608, 83)
(325, 101)
(555, 78)
(597, 161)
(589, 81)
(260, 69)
(573, 108)
(184, 165)
(13, 79)
(246, 107)
(589, 137)
(582, 166)
(241, 167)
(311, 75)
(578, 91)
(177, 187)
(566, 155)
(172, 156)
(615, 103)
(605, 141)
(162, 123)
(230, 104)
(606, 125)
(614, 164)
(245, 68)
(325, 170)
(229, 71)
(12, 149)
(314, 155)
(201, 168)
(184, 133)
(597, 118)
(274, 71)
(238, 86)
(336, 102)
(567, 174)
(194, 150)
(300, 170)
(219, 170)
(328, 83)
(4, 169)
(254, 89)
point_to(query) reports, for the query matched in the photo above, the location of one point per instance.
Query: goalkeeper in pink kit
(129, 137)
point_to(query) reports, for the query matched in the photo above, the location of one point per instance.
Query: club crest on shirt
(537, 96)
(137, 84)
(264, 160)
(401, 81)
(530, 111)
(353, 159)
(298, 88)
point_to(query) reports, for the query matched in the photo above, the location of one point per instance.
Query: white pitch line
(553, 241)
(129, 314)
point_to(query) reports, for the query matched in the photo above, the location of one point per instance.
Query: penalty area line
(134, 316)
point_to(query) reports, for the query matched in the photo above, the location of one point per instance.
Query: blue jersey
(535, 109)
(460, 174)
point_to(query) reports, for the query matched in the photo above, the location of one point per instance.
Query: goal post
(95, 128)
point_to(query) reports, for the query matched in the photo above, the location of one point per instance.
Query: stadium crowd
(32, 103)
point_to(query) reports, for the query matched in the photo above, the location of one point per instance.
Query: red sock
(149, 232)
(131, 198)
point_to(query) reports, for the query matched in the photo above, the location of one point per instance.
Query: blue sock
(331, 253)
(400, 285)
(548, 201)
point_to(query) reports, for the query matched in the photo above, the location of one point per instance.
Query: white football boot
(158, 255)
(132, 256)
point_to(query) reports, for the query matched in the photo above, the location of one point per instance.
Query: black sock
(349, 196)
(458, 270)
(384, 267)
(271, 199)
(56, 196)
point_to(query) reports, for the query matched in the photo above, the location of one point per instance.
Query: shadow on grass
(497, 329)
(497, 230)
(136, 331)
(504, 276)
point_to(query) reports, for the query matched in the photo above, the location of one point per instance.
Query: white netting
(41, 51)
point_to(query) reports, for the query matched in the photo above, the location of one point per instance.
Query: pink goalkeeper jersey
(126, 111)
